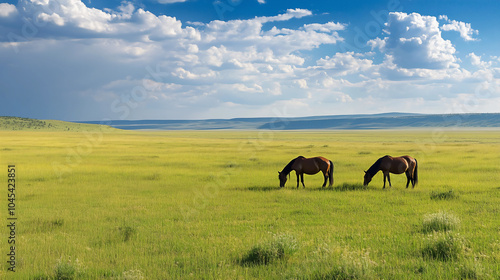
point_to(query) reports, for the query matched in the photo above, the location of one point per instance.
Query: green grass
(444, 195)
(26, 124)
(195, 204)
(440, 221)
(444, 247)
(280, 248)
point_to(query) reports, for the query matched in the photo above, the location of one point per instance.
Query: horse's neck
(288, 168)
(374, 168)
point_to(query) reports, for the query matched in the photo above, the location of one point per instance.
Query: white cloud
(54, 18)
(345, 63)
(250, 33)
(302, 83)
(290, 13)
(326, 27)
(7, 10)
(73, 19)
(476, 61)
(171, 1)
(465, 29)
(415, 41)
(71, 12)
(103, 58)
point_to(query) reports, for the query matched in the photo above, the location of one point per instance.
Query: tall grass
(440, 221)
(444, 246)
(349, 265)
(194, 205)
(68, 269)
(280, 247)
(444, 195)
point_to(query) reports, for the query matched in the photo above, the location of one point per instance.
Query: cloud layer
(127, 63)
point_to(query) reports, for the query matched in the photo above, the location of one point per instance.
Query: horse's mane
(288, 167)
(375, 167)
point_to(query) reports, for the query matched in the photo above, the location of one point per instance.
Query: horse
(395, 165)
(308, 166)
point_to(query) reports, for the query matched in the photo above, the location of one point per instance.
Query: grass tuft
(67, 269)
(350, 187)
(281, 247)
(471, 270)
(443, 195)
(57, 222)
(153, 177)
(350, 265)
(440, 221)
(40, 276)
(127, 232)
(134, 274)
(443, 247)
(231, 164)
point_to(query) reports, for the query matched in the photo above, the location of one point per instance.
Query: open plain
(207, 205)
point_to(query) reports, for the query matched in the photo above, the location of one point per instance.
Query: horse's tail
(330, 173)
(415, 173)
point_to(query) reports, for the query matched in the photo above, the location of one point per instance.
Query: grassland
(206, 205)
(26, 124)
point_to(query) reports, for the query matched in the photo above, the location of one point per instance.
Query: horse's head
(368, 179)
(282, 177)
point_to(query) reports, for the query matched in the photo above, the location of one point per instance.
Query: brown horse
(396, 165)
(309, 166)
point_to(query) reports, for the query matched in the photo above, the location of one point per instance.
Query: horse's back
(321, 159)
(409, 159)
(313, 165)
(412, 162)
(396, 165)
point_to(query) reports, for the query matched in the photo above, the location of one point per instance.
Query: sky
(97, 60)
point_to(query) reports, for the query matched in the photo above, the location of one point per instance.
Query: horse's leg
(413, 181)
(297, 173)
(384, 180)
(302, 180)
(408, 178)
(325, 175)
(389, 179)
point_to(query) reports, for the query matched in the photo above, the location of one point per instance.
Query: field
(207, 205)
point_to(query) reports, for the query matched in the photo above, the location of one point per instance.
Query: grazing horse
(396, 165)
(309, 166)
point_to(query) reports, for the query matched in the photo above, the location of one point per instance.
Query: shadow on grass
(345, 187)
(260, 188)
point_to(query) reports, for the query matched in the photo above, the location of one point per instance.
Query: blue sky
(171, 59)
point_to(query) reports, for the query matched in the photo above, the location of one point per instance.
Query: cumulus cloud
(415, 41)
(73, 19)
(465, 29)
(7, 10)
(239, 33)
(345, 63)
(234, 62)
(476, 61)
(130, 63)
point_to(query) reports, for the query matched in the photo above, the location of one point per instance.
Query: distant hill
(377, 121)
(26, 124)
